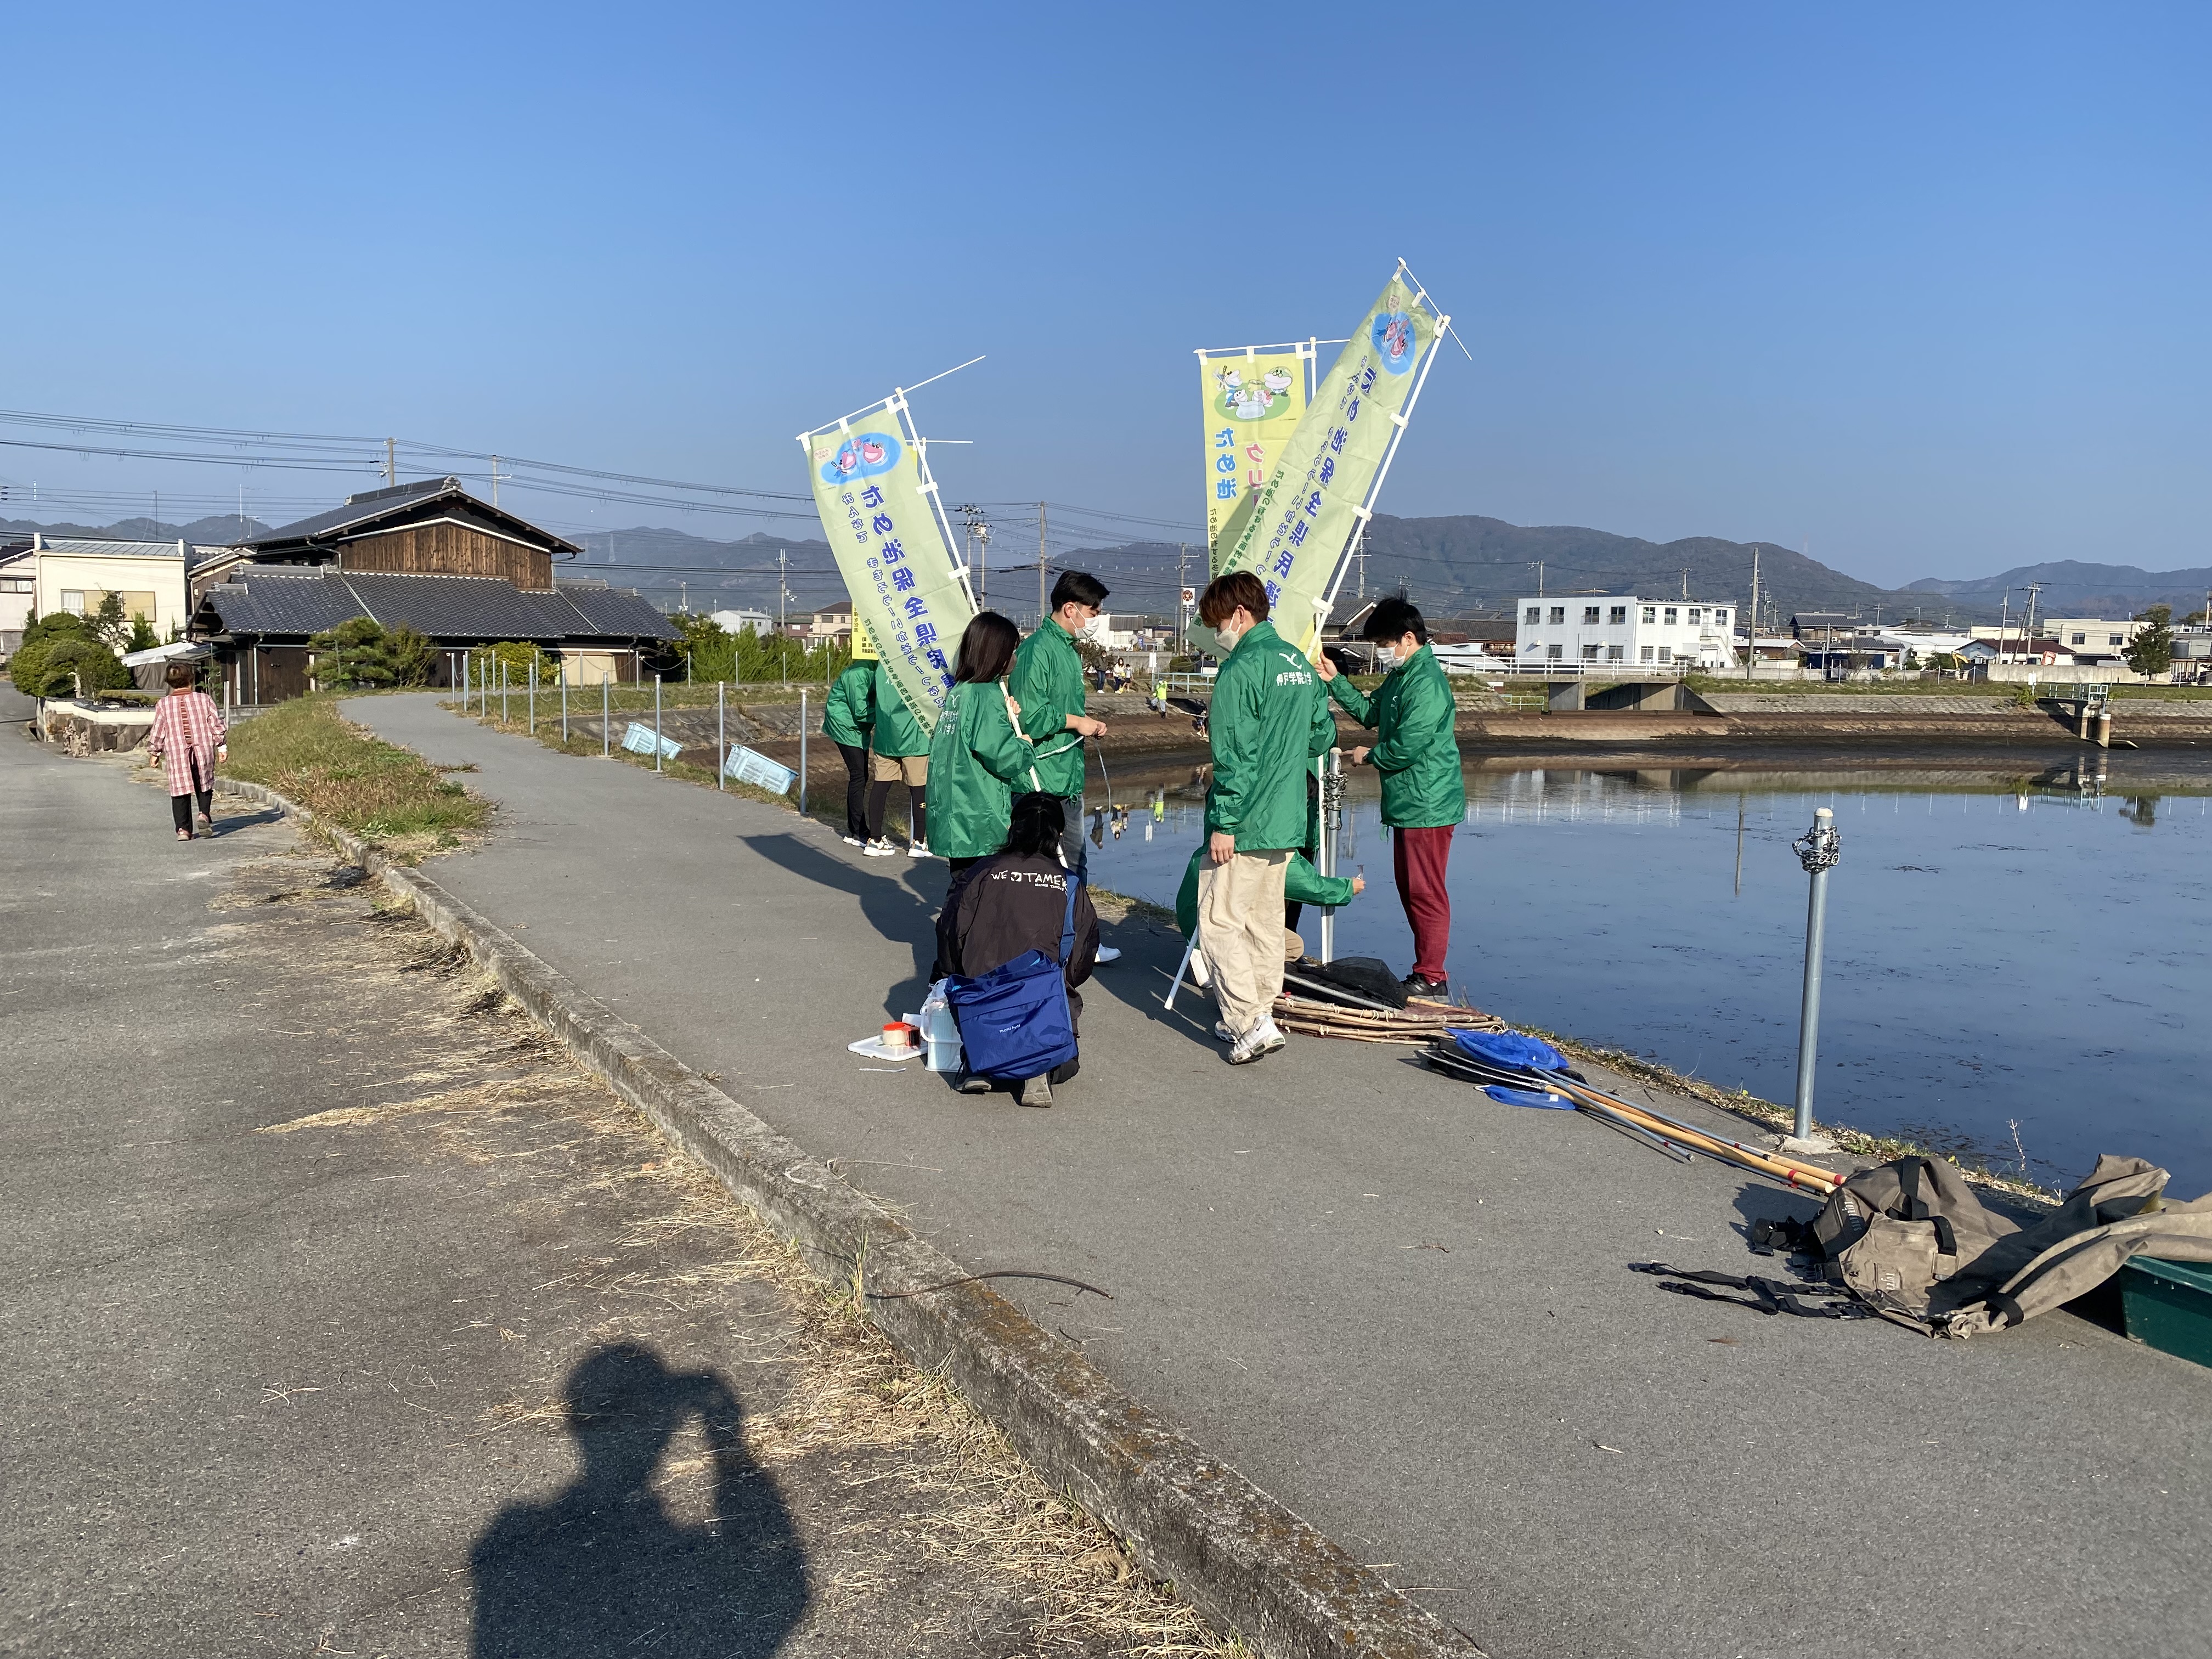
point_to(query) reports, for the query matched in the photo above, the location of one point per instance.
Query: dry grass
(387, 795)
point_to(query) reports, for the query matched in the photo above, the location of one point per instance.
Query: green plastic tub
(2167, 1305)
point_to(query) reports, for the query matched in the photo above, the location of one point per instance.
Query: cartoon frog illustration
(1397, 336)
(847, 461)
(871, 451)
(1277, 380)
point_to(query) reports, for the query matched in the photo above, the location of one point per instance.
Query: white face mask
(1094, 630)
(1228, 634)
(1386, 657)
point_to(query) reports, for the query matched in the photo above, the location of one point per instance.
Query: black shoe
(971, 1083)
(1415, 986)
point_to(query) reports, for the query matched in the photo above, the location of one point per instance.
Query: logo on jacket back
(1297, 674)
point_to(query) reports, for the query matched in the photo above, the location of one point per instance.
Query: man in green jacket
(900, 753)
(1424, 791)
(1048, 683)
(1268, 718)
(847, 712)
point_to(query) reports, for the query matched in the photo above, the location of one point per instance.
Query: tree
(363, 652)
(2150, 654)
(143, 636)
(710, 648)
(109, 625)
(47, 665)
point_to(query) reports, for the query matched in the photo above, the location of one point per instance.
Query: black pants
(917, 811)
(856, 790)
(181, 808)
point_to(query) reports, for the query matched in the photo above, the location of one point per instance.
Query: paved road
(1399, 1307)
(306, 1241)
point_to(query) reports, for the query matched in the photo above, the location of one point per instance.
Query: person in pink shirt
(187, 739)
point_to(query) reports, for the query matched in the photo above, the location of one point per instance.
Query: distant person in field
(978, 758)
(188, 738)
(848, 713)
(1268, 719)
(900, 754)
(1424, 791)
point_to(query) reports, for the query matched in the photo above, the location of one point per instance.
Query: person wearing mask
(188, 738)
(847, 712)
(1268, 718)
(1424, 791)
(901, 753)
(1014, 902)
(978, 758)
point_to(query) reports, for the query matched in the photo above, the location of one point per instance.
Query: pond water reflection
(2032, 951)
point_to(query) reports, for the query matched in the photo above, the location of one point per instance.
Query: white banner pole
(1400, 422)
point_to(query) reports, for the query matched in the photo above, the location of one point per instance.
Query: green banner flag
(1297, 532)
(873, 487)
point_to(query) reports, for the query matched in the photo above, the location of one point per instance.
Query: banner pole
(905, 412)
(1403, 419)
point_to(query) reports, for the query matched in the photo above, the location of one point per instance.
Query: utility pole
(1041, 611)
(1686, 581)
(1750, 625)
(391, 462)
(2027, 628)
(495, 481)
(1182, 561)
(1540, 578)
(1359, 552)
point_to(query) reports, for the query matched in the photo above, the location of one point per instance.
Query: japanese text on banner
(1252, 406)
(1303, 520)
(884, 531)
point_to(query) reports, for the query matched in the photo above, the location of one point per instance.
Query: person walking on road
(978, 758)
(1048, 683)
(847, 712)
(1001, 906)
(900, 754)
(188, 738)
(1424, 791)
(1269, 717)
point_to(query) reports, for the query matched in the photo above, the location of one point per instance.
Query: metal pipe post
(802, 753)
(721, 736)
(1818, 849)
(656, 722)
(1332, 819)
(564, 705)
(607, 714)
(502, 690)
(533, 696)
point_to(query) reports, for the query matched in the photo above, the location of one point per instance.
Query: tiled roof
(261, 600)
(361, 512)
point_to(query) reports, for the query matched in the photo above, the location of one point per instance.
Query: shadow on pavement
(897, 912)
(602, 1569)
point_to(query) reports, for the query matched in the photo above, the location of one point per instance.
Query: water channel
(2018, 964)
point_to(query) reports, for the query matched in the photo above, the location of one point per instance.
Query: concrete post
(564, 705)
(656, 722)
(802, 752)
(2104, 725)
(1565, 697)
(1818, 851)
(607, 713)
(2082, 716)
(721, 737)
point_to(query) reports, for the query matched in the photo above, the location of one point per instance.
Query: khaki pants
(913, 770)
(1240, 928)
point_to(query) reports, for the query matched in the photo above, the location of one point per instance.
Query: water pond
(2018, 967)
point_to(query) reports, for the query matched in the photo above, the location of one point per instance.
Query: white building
(1583, 632)
(75, 573)
(17, 589)
(736, 622)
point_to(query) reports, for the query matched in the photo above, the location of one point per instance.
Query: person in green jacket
(847, 712)
(1268, 718)
(1424, 791)
(1048, 683)
(978, 758)
(1302, 884)
(901, 753)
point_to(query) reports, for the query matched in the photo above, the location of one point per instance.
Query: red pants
(1418, 858)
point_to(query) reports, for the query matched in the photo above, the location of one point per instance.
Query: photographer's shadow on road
(602, 1568)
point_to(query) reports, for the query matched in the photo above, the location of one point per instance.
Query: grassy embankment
(388, 796)
(1997, 690)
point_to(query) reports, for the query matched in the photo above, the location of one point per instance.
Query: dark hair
(1079, 587)
(1038, 822)
(986, 649)
(181, 674)
(1224, 594)
(1393, 619)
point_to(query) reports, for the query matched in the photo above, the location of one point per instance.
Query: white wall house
(74, 574)
(736, 622)
(1582, 632)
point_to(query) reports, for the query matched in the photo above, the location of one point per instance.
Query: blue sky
(1922, 288)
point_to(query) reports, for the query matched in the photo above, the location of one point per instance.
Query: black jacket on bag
(1003, 906)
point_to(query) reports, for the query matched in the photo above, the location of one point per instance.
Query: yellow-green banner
(1252, 400)
(1305, 514)
(907, 592)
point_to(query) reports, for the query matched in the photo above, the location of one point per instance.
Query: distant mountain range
(1459, 566)
(2071, 588)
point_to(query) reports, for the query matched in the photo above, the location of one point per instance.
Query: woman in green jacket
(978, 758)
(1424, 792)
(847, 712)
(901, 755)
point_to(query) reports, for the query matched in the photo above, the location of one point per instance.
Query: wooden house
(433, 527)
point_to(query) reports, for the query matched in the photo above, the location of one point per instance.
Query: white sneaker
(1222, 1033)
(918, 849)
(1271, 1037)
(853, 841)
(1109, 953)
(1261, 1039)
(880, 849)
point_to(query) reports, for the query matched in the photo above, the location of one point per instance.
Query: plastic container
(941, 1031)
(2168, 1306)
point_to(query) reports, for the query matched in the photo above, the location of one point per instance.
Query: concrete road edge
(1248, 1563)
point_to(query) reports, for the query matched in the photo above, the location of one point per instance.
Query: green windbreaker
(849, 709)
(1048, 682)
(897, 732)
(1415, 750)
(1302, 884)
(977, 761)
(1268, 719)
